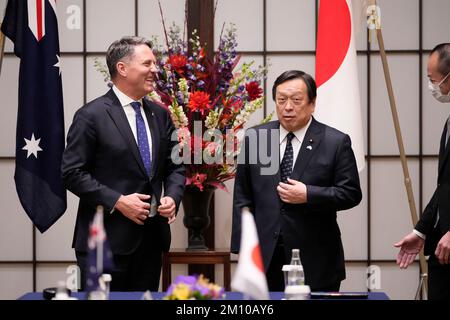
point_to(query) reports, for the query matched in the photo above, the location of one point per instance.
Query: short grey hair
(121, 50)
(443, 52)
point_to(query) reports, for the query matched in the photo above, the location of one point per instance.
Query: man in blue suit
(295, 206)
(118, 155)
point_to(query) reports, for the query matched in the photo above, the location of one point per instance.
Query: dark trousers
(275, 276)
(438, 280)
(139, 271)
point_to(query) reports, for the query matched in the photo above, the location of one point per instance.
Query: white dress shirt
(296, 141)
(131, 114)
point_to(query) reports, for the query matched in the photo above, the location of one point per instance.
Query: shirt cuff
(419, 234)
(114, 208)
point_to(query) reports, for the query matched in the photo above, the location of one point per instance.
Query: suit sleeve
(426, 222)
(77, 163)
(345, 192)
(174, 177)
(242, 196)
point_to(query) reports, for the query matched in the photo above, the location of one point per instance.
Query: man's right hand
(133, 207)
(409, 248)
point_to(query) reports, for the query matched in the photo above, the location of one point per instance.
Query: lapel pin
(311, 141)
(309, 147)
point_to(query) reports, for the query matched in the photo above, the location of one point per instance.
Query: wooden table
(181, 256)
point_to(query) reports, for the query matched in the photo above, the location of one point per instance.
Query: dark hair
(122, 49)
(443, 52)
(296, 74)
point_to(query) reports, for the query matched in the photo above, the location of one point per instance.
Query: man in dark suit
(295, 206)
(118, 156)
(433, 228)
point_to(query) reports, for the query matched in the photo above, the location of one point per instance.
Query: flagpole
(2, 47)
(100, 240)
(412, 206)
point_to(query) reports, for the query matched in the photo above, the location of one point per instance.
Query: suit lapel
(276, 135)
(443, 150)
(154, 133)
(118, 116)
(309, 146)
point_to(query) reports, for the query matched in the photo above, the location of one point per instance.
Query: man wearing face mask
(433, 228)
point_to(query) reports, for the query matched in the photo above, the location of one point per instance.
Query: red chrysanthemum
(178, 62)
(199, 101)
(253, 90)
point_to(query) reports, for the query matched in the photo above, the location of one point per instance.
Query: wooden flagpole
(2, 48)
(374, 19)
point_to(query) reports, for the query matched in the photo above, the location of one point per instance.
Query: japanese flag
(338, 101)
(249, 277)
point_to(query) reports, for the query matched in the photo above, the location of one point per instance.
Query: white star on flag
(58, 64)
(32, 146)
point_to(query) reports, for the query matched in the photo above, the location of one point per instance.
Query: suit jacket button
(275, 235)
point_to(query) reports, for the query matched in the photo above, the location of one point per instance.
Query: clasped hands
(292, 192)
(136, 207)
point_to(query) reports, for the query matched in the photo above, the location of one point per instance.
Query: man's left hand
(443, 249)
(292, 192)
(167, 208)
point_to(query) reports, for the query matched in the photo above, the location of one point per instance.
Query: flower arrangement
(193, 288)
(209, 103)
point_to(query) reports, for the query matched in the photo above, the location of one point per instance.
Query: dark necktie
(448, 131)
(142, 138)
(288, 158)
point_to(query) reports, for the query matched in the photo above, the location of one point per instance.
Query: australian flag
(32, 26)
(99, 258)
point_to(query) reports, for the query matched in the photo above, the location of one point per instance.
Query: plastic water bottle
(296, 275)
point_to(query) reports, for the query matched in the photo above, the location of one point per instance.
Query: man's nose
(289, 105)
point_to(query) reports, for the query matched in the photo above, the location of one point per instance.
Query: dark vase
(196, 215)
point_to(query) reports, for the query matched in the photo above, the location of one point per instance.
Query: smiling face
(137, 73)
(294, 109)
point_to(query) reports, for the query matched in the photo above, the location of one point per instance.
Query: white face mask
(436, 90)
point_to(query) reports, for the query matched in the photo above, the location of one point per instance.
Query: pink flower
(198, 179)
(184, 136)
(212, 148)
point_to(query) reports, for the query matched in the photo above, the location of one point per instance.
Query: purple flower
(204, 291)
(170, 289)
(189, 280)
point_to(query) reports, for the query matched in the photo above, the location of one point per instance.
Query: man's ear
(313, 102)
(121, 68)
